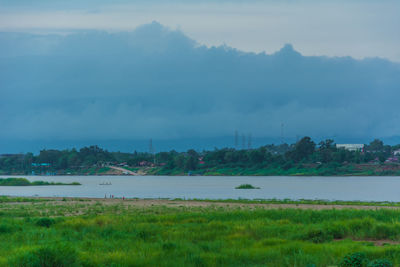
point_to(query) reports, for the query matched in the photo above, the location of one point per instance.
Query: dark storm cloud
(156, 82)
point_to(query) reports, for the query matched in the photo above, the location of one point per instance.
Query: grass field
(79, 232)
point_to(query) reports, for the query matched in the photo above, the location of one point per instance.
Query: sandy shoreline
(193, 203)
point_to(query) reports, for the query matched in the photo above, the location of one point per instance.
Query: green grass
(4, 199)
(103, 170)
(26, 182)
(65, 233)
(134, 169)
(246, 186)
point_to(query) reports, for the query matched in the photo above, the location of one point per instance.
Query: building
(351, 147)
(392, 160)
(41, 164)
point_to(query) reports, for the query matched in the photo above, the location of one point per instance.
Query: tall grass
(123, 235)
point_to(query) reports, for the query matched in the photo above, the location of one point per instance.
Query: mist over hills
(153, 82)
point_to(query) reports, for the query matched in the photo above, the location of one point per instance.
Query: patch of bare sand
(193, 203)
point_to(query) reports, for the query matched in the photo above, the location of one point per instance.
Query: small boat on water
(105, 183)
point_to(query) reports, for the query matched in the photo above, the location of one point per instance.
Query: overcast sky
(138, 70)
(335, 28)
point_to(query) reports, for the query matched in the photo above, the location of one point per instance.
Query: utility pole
(151, 146)
(249, 140)
(151, 150)
(236, 139)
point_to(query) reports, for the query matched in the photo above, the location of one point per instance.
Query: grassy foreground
(118, 233)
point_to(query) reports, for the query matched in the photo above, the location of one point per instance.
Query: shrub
(25, 182)
(169, 246)
(382, 231)
(317, 236)
(14, 182)
(246, 186)
(61, 256)
(5, 228)
(380, 263)
(288, 165)
(361, 227)
(143, 234)
(45, 222)
(337, 230)
(357, 259)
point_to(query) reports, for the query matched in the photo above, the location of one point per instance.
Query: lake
(364, 188)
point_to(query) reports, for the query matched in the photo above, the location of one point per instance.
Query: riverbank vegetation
(302, 158)
(26, 182)
(300, 201)
(74, 233)
(246, 186)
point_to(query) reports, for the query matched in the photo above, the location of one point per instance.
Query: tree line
(284, 156)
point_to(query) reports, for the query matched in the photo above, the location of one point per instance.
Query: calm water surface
(219, 187)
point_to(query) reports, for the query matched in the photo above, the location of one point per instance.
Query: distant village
(298, 158)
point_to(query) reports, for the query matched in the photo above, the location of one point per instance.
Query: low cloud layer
(156, 82)
(357, 28)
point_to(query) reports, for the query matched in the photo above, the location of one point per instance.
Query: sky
(354, 28)
(88, 73)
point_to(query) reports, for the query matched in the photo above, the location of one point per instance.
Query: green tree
(326, 149)
(257, 155)
(302, 149)
(375, 146)
(191, 163)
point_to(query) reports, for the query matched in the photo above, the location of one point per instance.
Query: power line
(236, 139)
(152, 150)
(249, 140)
